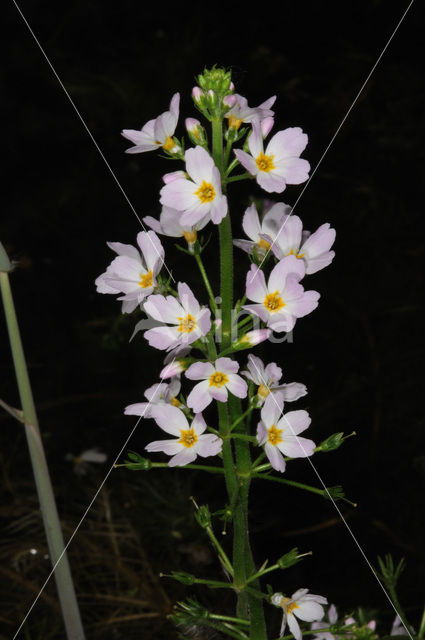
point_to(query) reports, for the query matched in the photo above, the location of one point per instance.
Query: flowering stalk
(191, 199)
(62, 571)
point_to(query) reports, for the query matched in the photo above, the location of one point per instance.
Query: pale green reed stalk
(65, 586)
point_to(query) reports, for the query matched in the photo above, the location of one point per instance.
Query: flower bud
(229, 101)
(197, 94)
(173, 175)
(251, 338)
(196, 131)
(175, 368)
(267, 126)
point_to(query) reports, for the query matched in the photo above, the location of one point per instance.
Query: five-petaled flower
(189, 321)
(189, 440)
(161, 393)
(217, 380)
(303, 605)
(169, 225)
(132, 273)
(283, 299)
(201, 195)
(280, 163)
(262, 235)
(157, 132)
(240, 111)
(312, 248)
(267, 379)
(278, 432)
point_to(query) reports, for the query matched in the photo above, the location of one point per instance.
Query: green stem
(242, 417)
(67, 597)
(243, 176)
(206, 282)
(421, 632)
(292, 483)
(248, 606)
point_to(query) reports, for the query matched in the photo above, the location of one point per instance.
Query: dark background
(360, 354)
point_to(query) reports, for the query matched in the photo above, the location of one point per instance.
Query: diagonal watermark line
(260, 376)
(336, 132)
(89, 132)
(89, 507)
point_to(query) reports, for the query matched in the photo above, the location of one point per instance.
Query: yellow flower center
(188, 437)
(295, 253)
(146, 280)
(206, 192)
(234, 122)
(218, 379)
(168, 144)
(263, 244)
(274, 435)
(288, 607)
(190, 236)
(265, 163)
(273, 302)
(175, 402)
(187, 324)
(263, 391)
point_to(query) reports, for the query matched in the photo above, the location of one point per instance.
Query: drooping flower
(240, 111)
(161, 393)
(133, 273)
(157, 132)
(217, 380)
(283, 299)
(261, 234)
(189, 440)
(303, 605)
(279, 431)
(169, 225)
(189, 321)
(267, 378)
(313, 248)
(280, 163)
(251, 338)
(332, 617)
(175, 362)
(200, 196)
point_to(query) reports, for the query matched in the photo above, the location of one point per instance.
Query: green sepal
(333, 442)
(203, 516)
(136, 462)
(289, 559)
(183, 577)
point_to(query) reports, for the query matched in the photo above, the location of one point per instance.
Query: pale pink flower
(332, 617)
(188, 442)
(157, 132)
(267, 378)
(158, 394)
(217, 380)
(283, 299)
(278, 432)
(133, 273)
(252, 338)
(313, 248)
(261, 234)
(241, 112)
(303, 605)
(169, 225)
(200, 196)
(280, 163)
(189, 321)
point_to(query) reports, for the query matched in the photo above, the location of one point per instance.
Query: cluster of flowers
(190, 199)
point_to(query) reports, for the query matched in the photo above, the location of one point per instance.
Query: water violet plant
(249, 432)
